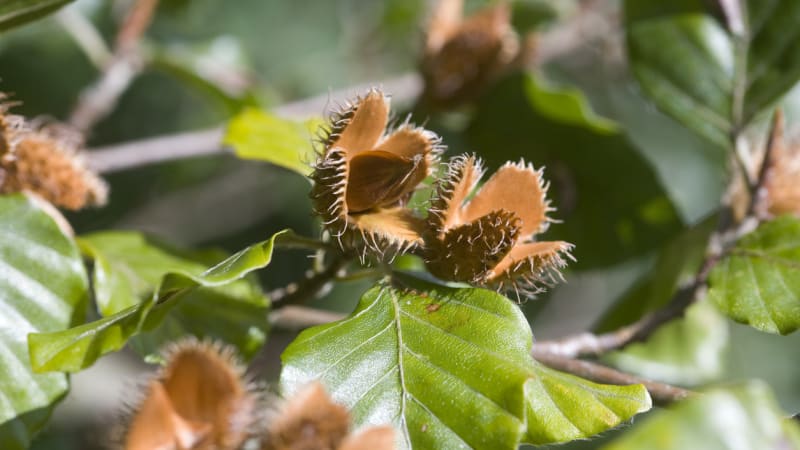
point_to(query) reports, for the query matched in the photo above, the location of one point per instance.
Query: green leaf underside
(687, 351)
(128, 268)
(43, 285)
(590, 166)
(692, 68)
(255, 134)
(685, 64)
(759, 282)
(424, 356)
(77, 348)
(744, 417)
(17, 12)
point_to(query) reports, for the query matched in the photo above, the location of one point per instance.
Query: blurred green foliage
(637, 187)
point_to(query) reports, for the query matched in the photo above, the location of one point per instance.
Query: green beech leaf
(17, 12)
(713, 82)
(562, 407)
(744, 417)
(686, 351)
(255, 134)
(43, 288)
(758, 283)
(77, 348)
(589, 164)
(424, 356)
(127, 269)
(685, 64)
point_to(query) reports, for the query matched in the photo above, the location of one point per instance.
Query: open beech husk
(365, 174)
(310, 420)
(47, 162)
(489, 240)
(199, 401)
(462, 55)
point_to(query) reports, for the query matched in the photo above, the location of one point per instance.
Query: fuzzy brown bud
(489, 240)
(46, 161)
(310, 420)
(199, 401)
(462, 55)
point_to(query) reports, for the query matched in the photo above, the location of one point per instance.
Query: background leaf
(408, 356)
(128, 267)
(590, 166)
(255, 134)
(77, 348)
(43, 288)
(745, 417)
(685, 63)
(676, 263)
(758, 283)
(17, 12)
(712, 82)
(687, 351)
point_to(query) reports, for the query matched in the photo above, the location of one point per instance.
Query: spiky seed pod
(310, 420)
(46, 161)
(782, 183)
(462, 56)
(364, 175)
(469, 251)
(199, 401)
(489, 240)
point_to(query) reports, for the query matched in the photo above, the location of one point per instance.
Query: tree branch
(295, 318)
(588, 344)
(99, 99)
(129, 155)
(315, 284)
(662, 394)
(554, 43)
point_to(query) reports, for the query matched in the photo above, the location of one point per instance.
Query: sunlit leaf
(43, 288)
(255, 134)
(423, 356)
(745, 417)
(759, 282)
(562, 407)
(77, 348)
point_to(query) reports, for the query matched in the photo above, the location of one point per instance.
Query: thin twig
(100, 98)
(314, 285)
(141, 152)
(294, 317)
(588, 344)
(405, 88)
(85, 35)
(662, 394)
(132, 154)
(135, 24)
